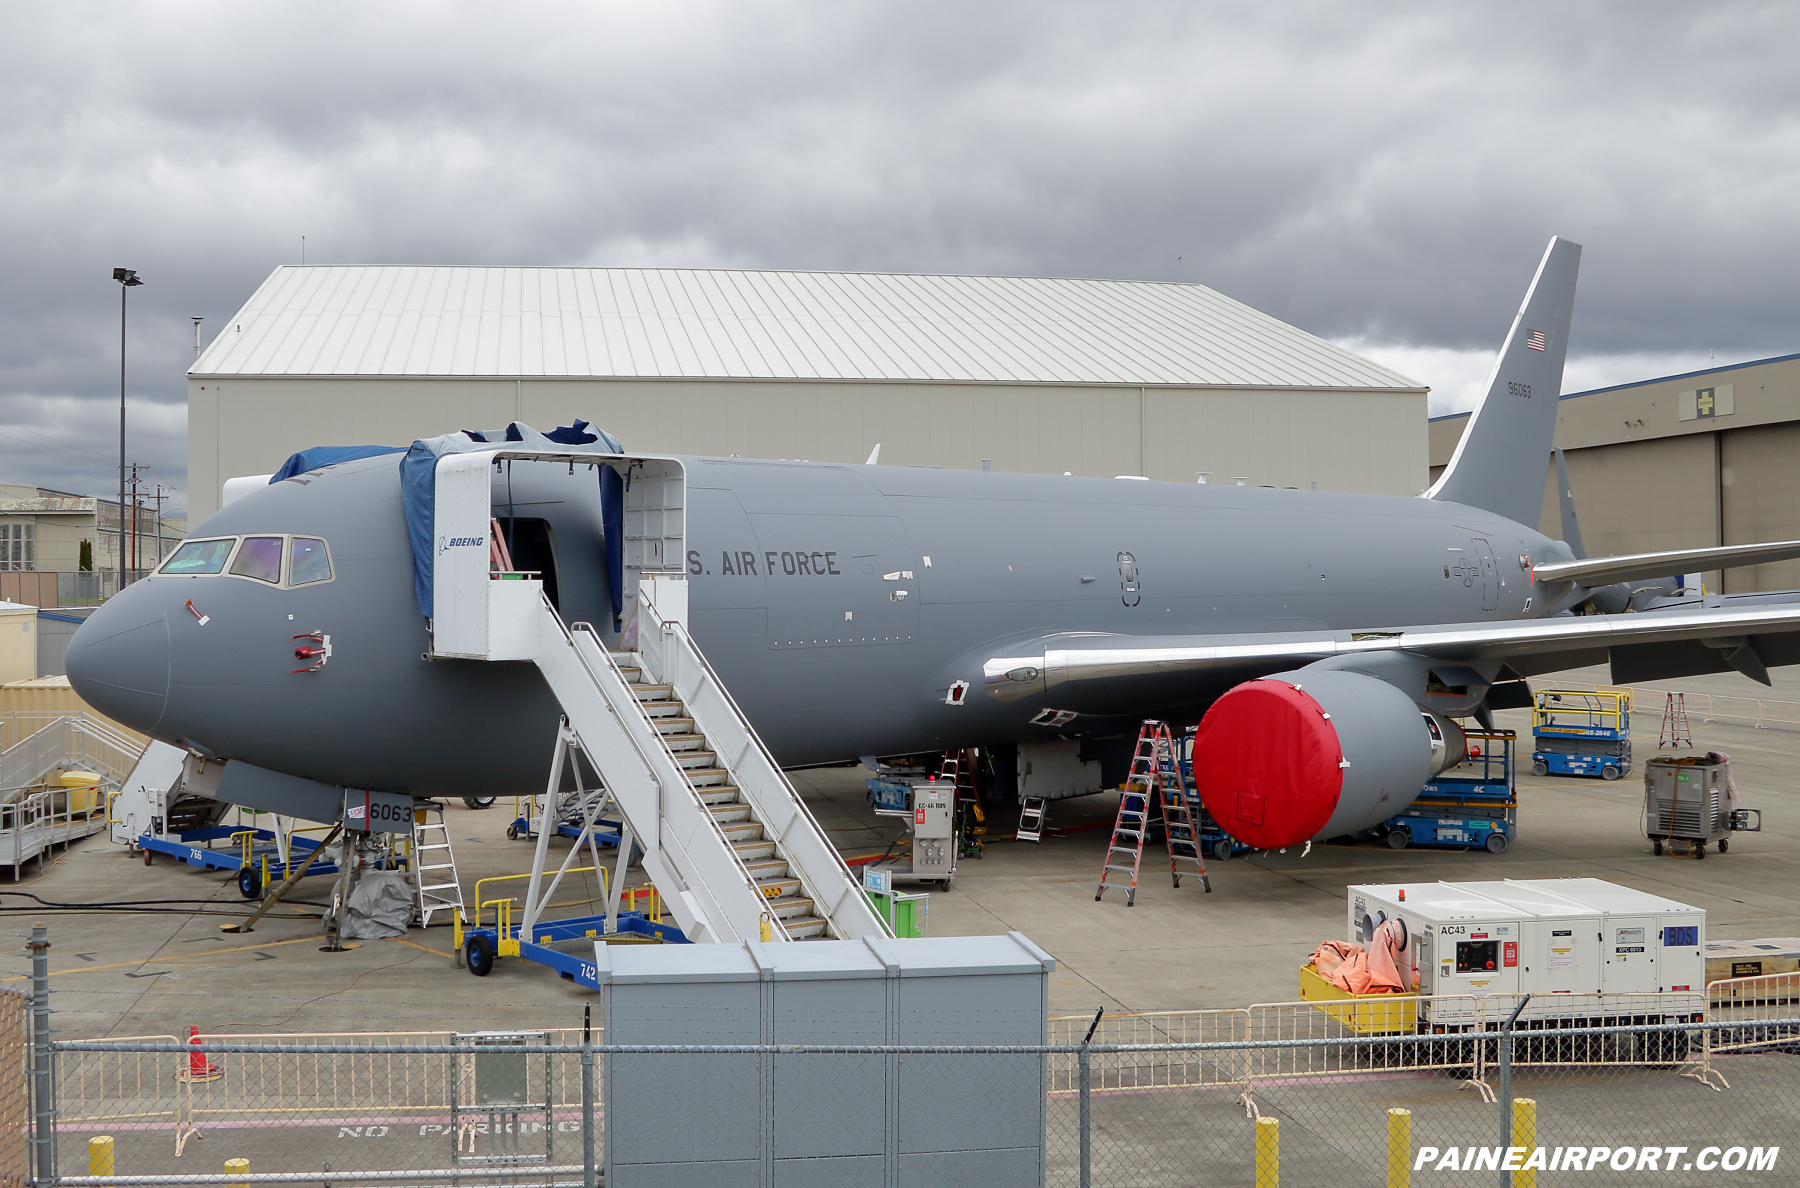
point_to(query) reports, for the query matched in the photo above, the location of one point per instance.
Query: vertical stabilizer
(1565, 501)
(1499, 463)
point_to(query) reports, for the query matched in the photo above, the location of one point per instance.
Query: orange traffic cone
(198, 1068)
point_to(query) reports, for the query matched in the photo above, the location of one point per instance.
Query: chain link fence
(1663, 1089)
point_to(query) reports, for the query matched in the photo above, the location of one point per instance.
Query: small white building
(1014, 373)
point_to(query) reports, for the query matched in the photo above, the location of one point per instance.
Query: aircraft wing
(1733, 637)
(1631, 567)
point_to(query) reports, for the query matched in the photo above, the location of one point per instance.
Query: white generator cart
(1582, 948)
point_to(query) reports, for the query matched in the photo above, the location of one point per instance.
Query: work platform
(733, 851)
(39, 814)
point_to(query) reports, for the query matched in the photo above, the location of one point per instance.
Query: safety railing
(1756, 712)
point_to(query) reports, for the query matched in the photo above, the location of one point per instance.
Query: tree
(86, 562)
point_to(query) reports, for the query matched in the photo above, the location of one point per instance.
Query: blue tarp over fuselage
(418, 490)
(320, 456)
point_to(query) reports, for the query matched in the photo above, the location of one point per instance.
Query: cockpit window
(200, 556)
(259, 558)
(310, 562)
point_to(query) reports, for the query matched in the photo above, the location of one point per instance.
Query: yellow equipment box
(1752, 958)
(1365, 1014)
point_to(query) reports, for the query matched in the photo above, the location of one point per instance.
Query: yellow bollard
(100, 1155)
(1525, 1135)
(237, 1167)
(1268, 1153)
(767, 928)
(1399, 1148)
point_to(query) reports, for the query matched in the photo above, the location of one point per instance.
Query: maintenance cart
(1581, 734)
(528, 816)
(565, 945)
(259, 856)
(1470, 806)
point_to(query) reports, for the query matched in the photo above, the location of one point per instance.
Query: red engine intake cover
(1267, 764)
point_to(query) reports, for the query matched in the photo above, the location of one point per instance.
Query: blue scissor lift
(1580, 733)
(1470, 806)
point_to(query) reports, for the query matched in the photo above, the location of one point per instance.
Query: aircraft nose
(118, 661)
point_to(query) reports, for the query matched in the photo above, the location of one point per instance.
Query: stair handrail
(568, 631)
(25, 762)
(853, 886)
(107, 734)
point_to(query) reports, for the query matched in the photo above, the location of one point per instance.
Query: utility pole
(159, 519)
(128, 279)
(137, 535)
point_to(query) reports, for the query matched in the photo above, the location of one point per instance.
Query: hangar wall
(1369, 441)
(1650, 472)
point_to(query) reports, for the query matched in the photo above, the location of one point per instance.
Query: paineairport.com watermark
(1596, 1159)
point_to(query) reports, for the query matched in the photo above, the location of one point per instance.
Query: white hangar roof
(680, 323)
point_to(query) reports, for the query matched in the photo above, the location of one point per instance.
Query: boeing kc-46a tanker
(1326, 643)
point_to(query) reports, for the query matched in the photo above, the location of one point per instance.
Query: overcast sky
(1382, 175)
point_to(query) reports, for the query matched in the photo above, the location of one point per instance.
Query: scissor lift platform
(1470, 806)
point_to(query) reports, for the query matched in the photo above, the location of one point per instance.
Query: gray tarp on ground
(380, 906)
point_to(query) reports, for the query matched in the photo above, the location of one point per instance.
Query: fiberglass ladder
(1180, 835)
(971, 825)
(436, 887)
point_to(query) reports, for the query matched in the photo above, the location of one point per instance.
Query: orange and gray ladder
(436, 887)
(1133, 820)
(1180, 833)
(959, 772)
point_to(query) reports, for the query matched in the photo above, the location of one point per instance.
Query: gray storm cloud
(1384, 175)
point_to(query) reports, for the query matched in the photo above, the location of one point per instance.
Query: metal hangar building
(1094, 377)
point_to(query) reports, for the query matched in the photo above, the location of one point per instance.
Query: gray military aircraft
(1325, 643)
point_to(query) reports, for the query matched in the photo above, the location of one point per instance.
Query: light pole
(128, 279)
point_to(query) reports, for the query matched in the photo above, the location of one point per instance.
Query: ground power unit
(1567, 939)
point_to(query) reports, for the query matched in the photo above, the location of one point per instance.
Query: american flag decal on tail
(1537, 340)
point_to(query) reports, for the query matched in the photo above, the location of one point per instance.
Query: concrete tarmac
(158, 962)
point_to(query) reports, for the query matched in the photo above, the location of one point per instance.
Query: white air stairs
(726, 839)
(436, 886)
(732, 812)
(730, 846)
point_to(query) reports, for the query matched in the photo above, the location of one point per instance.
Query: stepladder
(1125, 849)
(1675, 731)
(959, 771)
(1181, 833)
(436, 886)
(1034, 819)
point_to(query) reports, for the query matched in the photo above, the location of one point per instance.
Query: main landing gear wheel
(1540, 768)
(1496, 843)
(478, 951)
(249, 883)
(1399, 839)
(479, 802)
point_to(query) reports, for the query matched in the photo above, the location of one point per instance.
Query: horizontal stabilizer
(1604, 571)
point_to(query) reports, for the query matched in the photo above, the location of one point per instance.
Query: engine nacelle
(1316, 753)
